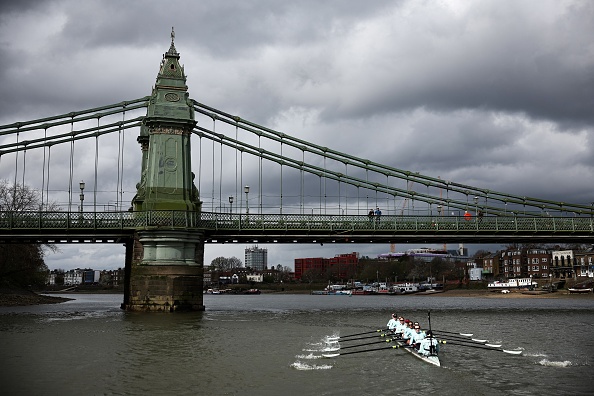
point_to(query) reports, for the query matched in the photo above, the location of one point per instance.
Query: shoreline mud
(511, 294)
(20, 297)
(17, 297)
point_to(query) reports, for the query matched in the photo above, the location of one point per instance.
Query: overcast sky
(496, 94)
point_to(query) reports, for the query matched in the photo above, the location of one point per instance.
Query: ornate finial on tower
(172, 51)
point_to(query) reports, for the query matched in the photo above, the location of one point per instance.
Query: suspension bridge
(194, 182)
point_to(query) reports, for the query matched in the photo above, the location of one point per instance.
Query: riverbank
(511, 294)
(20, 297)
(10, 297)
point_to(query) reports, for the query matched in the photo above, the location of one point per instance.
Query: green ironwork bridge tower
(167, 266)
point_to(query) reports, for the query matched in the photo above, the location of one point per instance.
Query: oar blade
(511, 352)
(330, 355)
(493, 345)
(466, 334)
(481, 341)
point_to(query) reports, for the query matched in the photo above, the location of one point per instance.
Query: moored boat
(580, 290)
(332, 292)
(518, 283)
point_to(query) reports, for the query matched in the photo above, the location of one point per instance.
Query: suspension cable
(260, 177)
(281, 179)
(95, 182)
(16, 165)
(71, 165)
(43, 170)
(119, 165)
(49, 157)
(236, 197)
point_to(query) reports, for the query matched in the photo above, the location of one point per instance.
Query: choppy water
(272, 345)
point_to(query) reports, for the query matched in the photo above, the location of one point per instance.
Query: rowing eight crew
(411, 333)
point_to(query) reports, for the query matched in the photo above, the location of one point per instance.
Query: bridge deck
(268, 228)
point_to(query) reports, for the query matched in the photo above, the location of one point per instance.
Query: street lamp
(246, 190)
(230, 205)
(476, 205)
(82, 194)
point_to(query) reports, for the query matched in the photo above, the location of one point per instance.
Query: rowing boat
(431, 359)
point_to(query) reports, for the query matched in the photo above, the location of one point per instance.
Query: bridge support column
(167, 272)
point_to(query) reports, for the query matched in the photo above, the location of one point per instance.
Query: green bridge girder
(289, 228)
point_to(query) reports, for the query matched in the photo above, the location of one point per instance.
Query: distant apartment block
(256, 258)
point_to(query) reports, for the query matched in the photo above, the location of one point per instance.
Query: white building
(475, 274)
(256, 258)
(73, 277)
(258, 278)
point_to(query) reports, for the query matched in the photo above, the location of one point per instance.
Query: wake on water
(322, 346)
(304, 366)
(548, 363)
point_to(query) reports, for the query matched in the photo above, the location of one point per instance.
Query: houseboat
(517, 283)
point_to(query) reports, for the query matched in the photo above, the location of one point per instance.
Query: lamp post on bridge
(82, 194)
(230, 206)
(476, 199)
(246, 189)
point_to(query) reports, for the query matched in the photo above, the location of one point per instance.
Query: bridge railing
(286, 222)
(34, 220)
(42, 220)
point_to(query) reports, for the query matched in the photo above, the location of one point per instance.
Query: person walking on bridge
(377, 214)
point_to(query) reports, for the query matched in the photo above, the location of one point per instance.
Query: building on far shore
(343, 266)
(256, 258)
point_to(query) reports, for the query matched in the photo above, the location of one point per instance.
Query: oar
(357, 334)
(454, 337)
(450, 332)
(474, 342)
(358, 338)
(331, 355)
(367, 343)
(483, 347)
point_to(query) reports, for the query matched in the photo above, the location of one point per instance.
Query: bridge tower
(165, 264)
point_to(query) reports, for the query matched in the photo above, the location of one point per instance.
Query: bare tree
(225, 264)
(22, 264)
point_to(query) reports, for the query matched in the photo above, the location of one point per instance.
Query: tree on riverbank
(22, 265)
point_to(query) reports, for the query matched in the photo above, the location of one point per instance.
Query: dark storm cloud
(513, 60)
(8, 8)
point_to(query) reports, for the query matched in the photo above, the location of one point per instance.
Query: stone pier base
(166, 272)
(165, 288)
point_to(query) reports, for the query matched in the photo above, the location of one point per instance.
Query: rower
(400, 326)
(407, 332)
(429, 345)
(416, 337)
(393, 322)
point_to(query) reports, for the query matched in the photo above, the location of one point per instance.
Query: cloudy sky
(493, 93)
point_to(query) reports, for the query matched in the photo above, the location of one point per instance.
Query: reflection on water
(273, 344)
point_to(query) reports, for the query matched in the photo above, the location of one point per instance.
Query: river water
(272, 345)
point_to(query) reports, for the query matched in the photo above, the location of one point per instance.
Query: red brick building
(538, 263)
(342, 266)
